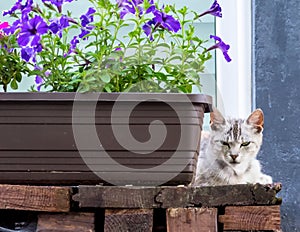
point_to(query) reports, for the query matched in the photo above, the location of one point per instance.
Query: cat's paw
(265, 179)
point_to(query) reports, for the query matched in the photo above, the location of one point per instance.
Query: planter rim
(70, 96)
(108, 97)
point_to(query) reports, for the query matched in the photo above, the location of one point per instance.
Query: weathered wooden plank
(175, 197)
(128, 220)
(251, 218)
(116, 197)
(192, 220)
(66, 222)
(255, 194)
(35, 198)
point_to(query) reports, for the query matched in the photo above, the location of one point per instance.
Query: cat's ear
(216, 119)
(256, 119)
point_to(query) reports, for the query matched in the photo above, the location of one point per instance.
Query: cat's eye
(245, 144)
(225, 143)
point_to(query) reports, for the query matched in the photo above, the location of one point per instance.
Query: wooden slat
(49, 178)
(252, 194)
(61, 138)
(37, 198)
(41, 161)
(90, 161)
(251, 218)
(43, 167)
(192, 219)
(83, 222)
(101, 110)
(116, 197)
(86, 178)
(128, 220)
(36, 120)
(175, 197)
(94, 154)
(61, 116)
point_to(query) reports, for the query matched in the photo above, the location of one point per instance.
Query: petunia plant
(160, 51)
(11, 65)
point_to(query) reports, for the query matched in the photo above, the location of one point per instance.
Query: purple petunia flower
(57, 3)
(74, 42)
(83, 33)
(147, 27)
(214, 10)
(118, 49)
(221, 45)
(11, 29)
(130, 6)
(18, 6)
(86, 19)
(58, 25)
(25, 14)
(31, 32)
(127, 8)
(73, 46)
(39, 81)
(161, 20)
(28, 53)
(25, 10)
(166, 21)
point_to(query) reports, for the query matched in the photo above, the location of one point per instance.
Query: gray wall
(276, 55)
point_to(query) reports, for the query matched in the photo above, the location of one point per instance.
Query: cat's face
(236, 141)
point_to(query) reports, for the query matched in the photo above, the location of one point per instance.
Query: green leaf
(107, 89)
(105, 77)
(14, 84)
(183, 10)
(175, 57)
(19, 77)
(165, 45)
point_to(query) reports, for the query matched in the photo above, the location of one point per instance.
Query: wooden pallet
(139, 209)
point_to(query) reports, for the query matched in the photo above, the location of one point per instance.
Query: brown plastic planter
(39, 138)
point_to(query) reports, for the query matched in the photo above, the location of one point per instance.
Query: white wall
(234, 79)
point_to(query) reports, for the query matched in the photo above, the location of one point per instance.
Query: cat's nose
(234, 157)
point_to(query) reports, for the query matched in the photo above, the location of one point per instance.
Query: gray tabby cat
(229, 154)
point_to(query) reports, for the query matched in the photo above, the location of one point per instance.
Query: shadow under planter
(93, 138)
